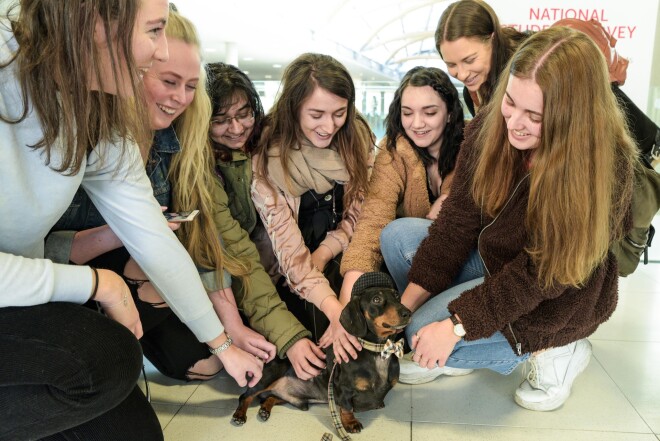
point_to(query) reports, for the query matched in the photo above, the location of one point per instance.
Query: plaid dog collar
(386, 349)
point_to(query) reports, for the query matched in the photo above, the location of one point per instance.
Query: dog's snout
(405, 314)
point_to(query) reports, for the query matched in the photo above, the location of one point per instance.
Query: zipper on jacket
(518, 344)
(493, 221)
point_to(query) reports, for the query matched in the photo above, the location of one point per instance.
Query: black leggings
(167, 343)
(70, 373)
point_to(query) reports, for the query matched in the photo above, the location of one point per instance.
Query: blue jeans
(399, 242)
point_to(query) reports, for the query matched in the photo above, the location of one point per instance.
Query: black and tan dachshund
(374, 314)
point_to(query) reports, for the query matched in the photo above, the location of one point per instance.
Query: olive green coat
(265, 310)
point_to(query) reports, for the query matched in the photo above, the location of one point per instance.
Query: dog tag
(328, 197)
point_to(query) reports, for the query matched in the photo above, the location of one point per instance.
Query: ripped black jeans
(167, 342)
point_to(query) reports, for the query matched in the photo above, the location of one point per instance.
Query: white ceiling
(378, 40)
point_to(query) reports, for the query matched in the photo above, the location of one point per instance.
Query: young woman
(67, 70)
(171, 97)
(413, 172)
(475, 48)
(235, 128)
(311, 173)
(550, 279)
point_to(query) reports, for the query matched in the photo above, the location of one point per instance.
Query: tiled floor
(616, 399)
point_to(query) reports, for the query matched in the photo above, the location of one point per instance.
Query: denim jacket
(165, 145)
(82, 214)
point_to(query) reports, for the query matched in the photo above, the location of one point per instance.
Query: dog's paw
(264, 414)
(353, 426)
(238, 419)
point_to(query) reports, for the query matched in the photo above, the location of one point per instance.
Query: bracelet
(124, 301)
(223, 347)
(96, 283)
(332, 253)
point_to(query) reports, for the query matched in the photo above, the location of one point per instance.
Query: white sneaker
(412, 373)
(552, 373)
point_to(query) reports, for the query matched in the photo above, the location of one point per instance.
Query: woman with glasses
(235, 127)
(182, 179)
(311, 175)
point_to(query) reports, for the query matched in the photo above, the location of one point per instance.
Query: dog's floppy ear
(352, 319)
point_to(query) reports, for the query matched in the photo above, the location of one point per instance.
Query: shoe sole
(416, 379)
(421, 379)
(559, 400)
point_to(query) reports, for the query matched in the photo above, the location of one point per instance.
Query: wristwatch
(223, 347)
(459, 330)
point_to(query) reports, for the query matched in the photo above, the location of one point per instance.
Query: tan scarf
(310, 168)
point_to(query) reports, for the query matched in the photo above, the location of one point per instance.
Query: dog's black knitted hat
(372, 280)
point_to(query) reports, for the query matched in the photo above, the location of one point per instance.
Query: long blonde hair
(192, 173)
(582, 170)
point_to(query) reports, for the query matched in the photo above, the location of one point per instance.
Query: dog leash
(333, 411)
(386, 350)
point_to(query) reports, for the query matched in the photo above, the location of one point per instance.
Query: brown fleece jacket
(510, 300)
(397, 188)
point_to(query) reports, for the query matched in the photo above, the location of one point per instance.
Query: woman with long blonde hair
(180, 167)
(542, 188)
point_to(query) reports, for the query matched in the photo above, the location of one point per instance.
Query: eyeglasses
(246, 120)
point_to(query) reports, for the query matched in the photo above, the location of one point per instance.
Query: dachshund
(374, 314)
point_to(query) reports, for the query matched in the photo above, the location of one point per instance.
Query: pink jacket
(279, 213)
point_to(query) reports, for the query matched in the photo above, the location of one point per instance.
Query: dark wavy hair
(452, 137)
(226, 85)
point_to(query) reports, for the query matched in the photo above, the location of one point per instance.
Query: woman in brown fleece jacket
(542, 187)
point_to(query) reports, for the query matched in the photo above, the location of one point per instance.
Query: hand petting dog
(343, 344)
(375, 315)
(307, 359)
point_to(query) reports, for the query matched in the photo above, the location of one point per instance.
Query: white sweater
(33, 197)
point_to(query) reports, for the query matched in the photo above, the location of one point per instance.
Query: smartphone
(181, 216)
